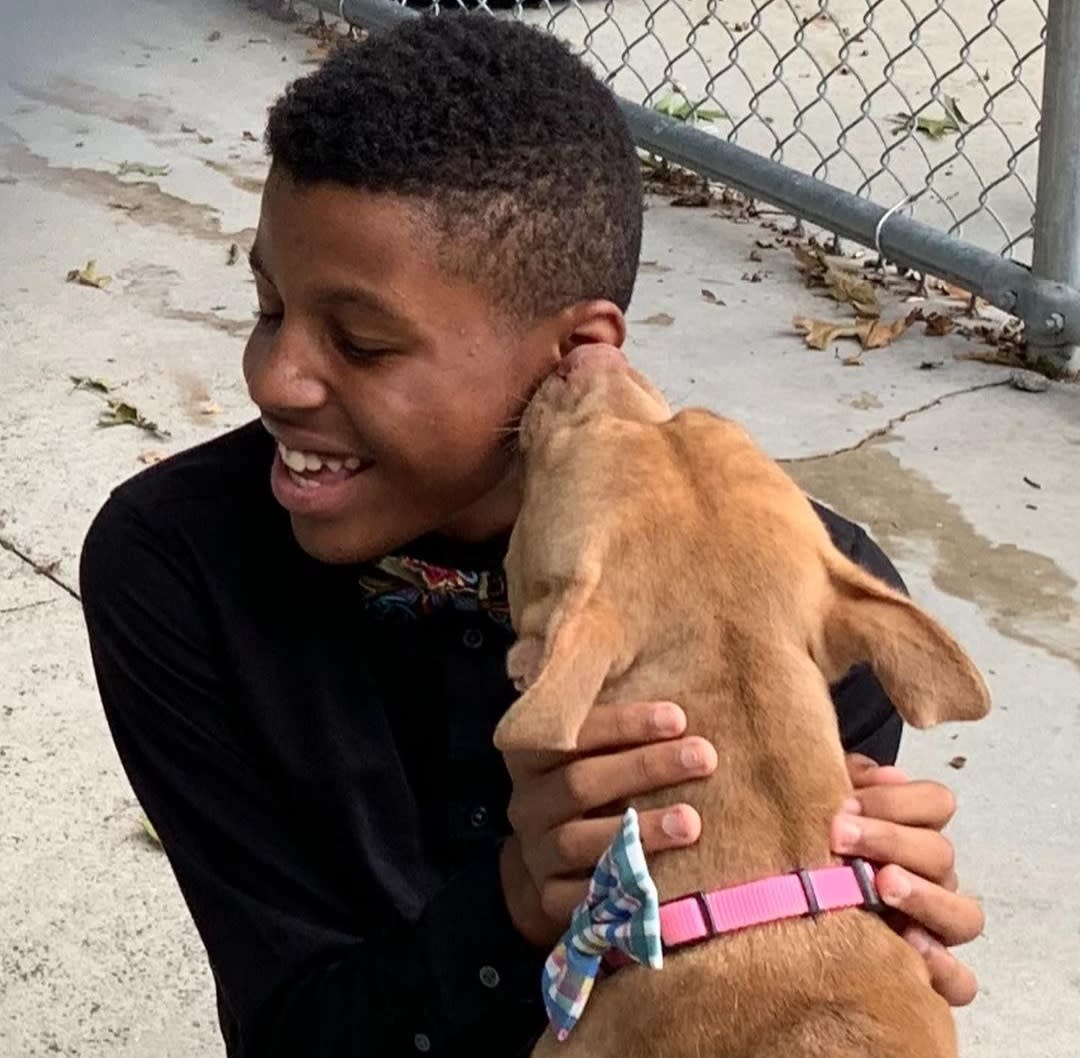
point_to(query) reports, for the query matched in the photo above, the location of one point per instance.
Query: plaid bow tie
(409, 588)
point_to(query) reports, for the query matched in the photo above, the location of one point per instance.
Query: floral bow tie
(408, 588)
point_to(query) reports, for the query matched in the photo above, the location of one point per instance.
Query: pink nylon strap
(702, 915)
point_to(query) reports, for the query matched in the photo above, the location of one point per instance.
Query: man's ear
(924, 671)
(582, 641)
(597, 322)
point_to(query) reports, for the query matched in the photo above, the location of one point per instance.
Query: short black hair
(520, 152)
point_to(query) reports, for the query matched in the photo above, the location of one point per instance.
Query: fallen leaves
(233, 255)
(94, 385)
(659, 319)
(935, 128)
(88, 276)
(710, 297)
(958, 762)
(150, 457)
(871, 333)
(676, 105)
(143, 169)
(120, 413)
(148, 829)
(848, 288)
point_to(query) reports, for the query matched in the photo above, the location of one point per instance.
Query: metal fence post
(1057, 211)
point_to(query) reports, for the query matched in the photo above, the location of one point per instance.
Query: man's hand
(556, 808)
(894, 821)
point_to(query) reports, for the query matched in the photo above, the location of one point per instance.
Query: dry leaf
(873, 334)
(205, 139)
(877, 335)
(214, 36)
(931, 365)
(89, 277)
(249, 136)
(820, 334)
(234, 254)
(1033, 484)
(710, 297)
(764, 244)
(693, 200)
(127, 207)
(850, 289)
(810, 260)
(755, 255)
(188, 128)
(148, 828)
(150, 457)
(209, 407)
(938, 324)
(957, 762)
(949, 289)
(95, 385)
(127, 168)
(121, 414)
(659, 319)
(753, 277)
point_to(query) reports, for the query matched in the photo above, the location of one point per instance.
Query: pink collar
(701, 916)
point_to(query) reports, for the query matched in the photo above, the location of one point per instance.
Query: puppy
(661, 556)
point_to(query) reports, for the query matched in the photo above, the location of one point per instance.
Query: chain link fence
(933, 103)
(921, 114)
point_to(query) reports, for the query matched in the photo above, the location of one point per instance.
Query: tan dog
(660, 557)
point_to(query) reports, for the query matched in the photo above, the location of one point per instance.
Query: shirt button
(478, 816)
(489, 977)
(422, 1043)
(473, 638)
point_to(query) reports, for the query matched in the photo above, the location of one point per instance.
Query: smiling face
(389, 384)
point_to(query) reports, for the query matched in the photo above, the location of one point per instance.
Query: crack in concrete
(38, 568)
(883, 431)
(27, 606)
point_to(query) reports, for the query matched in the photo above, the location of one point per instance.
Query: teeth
(304, 483)
(310, 462)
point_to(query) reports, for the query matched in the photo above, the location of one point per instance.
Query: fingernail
(691, 757)
(667, 719)
(919, 940)
(848, 833)
(852, 807)
(896, 889)
(674, 824)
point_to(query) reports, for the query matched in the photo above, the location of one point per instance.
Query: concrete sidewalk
(971, 486)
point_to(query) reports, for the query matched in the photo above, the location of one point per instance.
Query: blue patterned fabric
(621, 912)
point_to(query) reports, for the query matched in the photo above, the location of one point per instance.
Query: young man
(452, 207)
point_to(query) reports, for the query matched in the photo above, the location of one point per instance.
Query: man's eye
(354, 351)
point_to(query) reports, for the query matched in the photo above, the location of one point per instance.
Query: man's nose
(286, 371)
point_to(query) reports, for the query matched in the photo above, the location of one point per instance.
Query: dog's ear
(924, 671)
(564, 675)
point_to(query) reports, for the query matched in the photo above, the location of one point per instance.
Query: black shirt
(322, 778)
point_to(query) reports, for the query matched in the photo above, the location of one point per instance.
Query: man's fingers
(583, 786)
(865, 771)
(576, 847)
(915, 804)
(920, 850)
(619, 726)
(955, 918)
(950, 978)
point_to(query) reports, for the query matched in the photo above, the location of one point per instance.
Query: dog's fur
(666, 557)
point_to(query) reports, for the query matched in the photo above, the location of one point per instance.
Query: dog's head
(633, 521)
